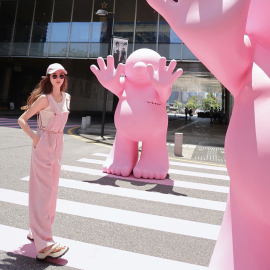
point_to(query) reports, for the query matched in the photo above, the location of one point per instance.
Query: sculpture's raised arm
(110, 77)
(214, 31)
(163, 78)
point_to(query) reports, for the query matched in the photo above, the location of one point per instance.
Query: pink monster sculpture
(141, 112)
(232, 38)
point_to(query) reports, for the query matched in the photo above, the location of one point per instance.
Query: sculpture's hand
(214, 31)
(163, 78)
(108, 76)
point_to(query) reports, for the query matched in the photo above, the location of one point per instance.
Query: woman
(116, 54)
(52, 103)
(123, 56)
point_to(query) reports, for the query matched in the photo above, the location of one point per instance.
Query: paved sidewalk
(202, 141)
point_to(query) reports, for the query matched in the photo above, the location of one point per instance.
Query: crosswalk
(207, 181)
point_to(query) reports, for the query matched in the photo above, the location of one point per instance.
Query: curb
(85, 137)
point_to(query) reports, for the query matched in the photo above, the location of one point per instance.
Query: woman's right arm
(41, 103)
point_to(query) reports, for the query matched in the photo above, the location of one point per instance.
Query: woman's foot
(54, 251)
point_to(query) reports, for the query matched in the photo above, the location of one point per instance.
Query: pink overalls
(44, 175)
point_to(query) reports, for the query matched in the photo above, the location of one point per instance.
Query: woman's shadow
(24, 258)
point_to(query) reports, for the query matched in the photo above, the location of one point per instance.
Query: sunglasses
(54, 76)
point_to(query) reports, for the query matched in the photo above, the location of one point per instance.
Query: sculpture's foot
(122, 167)
(154, 161)
(122, 158)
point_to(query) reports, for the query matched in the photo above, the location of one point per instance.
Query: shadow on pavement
(159, 188)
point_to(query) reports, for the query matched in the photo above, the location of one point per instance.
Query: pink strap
(50, 99)
(68, 101)
(39, 120)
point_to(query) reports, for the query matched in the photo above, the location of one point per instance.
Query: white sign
(119, 51)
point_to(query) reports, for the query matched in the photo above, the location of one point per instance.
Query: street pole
(110, 33)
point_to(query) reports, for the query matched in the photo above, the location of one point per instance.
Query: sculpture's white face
(258, 24)
(135, 69)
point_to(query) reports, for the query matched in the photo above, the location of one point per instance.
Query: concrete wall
(87, 95)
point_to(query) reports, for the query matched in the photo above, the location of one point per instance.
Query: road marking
(146, 221)
(92, 161)
(173, 171)
(198, 166)
(86, 140)
(198, 162)
(180, 164)
(141, 195)
(197, 174)
(184, 145)
(87, 256)
(166, 182)
(69, 126)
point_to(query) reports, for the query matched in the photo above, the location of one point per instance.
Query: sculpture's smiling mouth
(154, 103)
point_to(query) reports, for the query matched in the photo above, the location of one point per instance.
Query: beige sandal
(51, 254)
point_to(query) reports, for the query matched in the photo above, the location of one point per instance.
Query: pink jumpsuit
(44, 175)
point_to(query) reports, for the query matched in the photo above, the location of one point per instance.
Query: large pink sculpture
(215, 31)
(141, 112)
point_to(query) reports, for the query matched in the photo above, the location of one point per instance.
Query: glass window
(23, 28)
(80, 28)
(124, 20)
(146, 26)
(169, 43)
(187, 54)
(170, 50)
(99, 36)
(41, 28)
(7, 15)
(60, 28)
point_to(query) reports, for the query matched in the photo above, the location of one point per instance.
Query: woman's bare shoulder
(43, 101)
(42, 97)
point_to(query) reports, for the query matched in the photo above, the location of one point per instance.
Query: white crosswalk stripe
(88, 256)
(178, 226)
(142, 195)
(167, 182)
(173, 171)
(103, 257)
(184, 164)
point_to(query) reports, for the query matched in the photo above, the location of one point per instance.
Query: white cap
(54, 67)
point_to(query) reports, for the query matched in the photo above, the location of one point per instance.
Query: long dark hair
(44, 87)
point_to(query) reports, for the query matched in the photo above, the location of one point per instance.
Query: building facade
(36, 33)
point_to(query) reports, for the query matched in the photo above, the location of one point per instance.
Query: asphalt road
(112, 222)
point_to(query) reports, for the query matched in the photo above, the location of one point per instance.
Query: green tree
(194, 98)
(192, 103)
(210, 101)
(177, 104)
